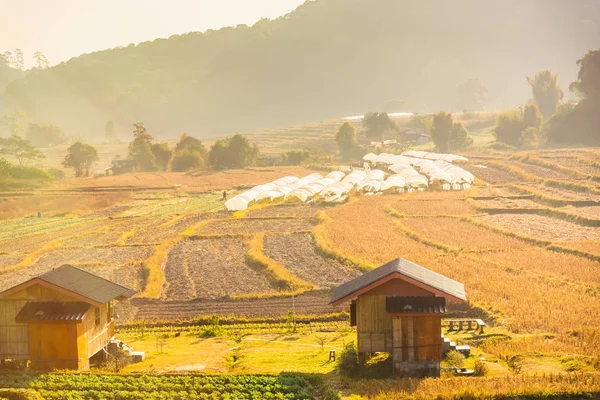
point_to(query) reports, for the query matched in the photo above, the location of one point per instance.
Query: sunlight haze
(68, 28)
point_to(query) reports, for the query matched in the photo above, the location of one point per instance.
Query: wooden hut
(397, 308)
(58, 320)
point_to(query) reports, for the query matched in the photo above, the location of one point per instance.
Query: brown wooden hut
(58, 320)
(397, 308)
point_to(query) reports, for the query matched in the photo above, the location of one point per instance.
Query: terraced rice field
(252, 226)
(297, 253)
(212, 268)
(542, 227)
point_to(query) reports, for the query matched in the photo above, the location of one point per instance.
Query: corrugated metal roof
(406, 268)
(52, 311)
(86, 284)
(416, 304)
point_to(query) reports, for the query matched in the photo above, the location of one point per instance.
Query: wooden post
(411, 339)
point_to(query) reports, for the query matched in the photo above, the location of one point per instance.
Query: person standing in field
(224, 195)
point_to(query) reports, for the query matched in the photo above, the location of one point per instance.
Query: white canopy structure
(372, 182)
(434, 156)
(394, 183)
(355, 177)
(236, 204)
(370, 157)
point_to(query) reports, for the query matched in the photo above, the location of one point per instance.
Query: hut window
(97, 315)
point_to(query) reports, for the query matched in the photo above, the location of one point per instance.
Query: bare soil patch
(286, 210)
(243, 226)
(6, 260)
(542, 227)
(491, 175)
(212, 268)
(314, 302)
(297, 252)
(576, 165)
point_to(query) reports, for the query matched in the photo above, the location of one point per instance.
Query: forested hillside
(326, 58)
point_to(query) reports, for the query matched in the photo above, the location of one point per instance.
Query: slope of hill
(7, 75)
(328, 57)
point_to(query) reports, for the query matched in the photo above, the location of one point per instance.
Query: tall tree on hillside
(110, 133)
(18, 60)
(5, 60)
(40, 60)
(20, 148)
(189, 154)
(81, 157)
(547, 94)
(378, 124)
(14, 122)
(441, 128)
(472, 95)
(577, 123)
(346, 138)
(140, 149)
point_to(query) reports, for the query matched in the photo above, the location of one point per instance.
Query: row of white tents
(420, 168)
(409, 173)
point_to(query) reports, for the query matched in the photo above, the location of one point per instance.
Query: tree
(189, 154)
(378, 124)
(233, 152)
(140, 149)
(110, 133)
(472, 95)
(547, 94)
(530, 138)
(4, 167)
(14, 122)
(18, 61)
(532, 117)
(459, 137)
(40, 60)
(80, 156)
(5, 60)
(162, 155)
(190, 143)
(20, 148)
(511, 124)
(441, 128)
(45, 135)
(295, 157)
(346, 138)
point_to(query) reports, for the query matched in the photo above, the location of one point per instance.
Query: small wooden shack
(397, 308)
(58, 320)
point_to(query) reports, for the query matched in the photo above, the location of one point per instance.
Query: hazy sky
(63, 29)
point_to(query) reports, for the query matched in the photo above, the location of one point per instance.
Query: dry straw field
(524, 241)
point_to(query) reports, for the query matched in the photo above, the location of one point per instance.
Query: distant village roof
(52, 311)
(407, 270)
(79, 282)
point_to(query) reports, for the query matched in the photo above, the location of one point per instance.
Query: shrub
(295, 157)
(509, 126)
(57, 173)
(348, 360)
(23, 172)
(530, 138)
(481, 368)
(455, 359)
